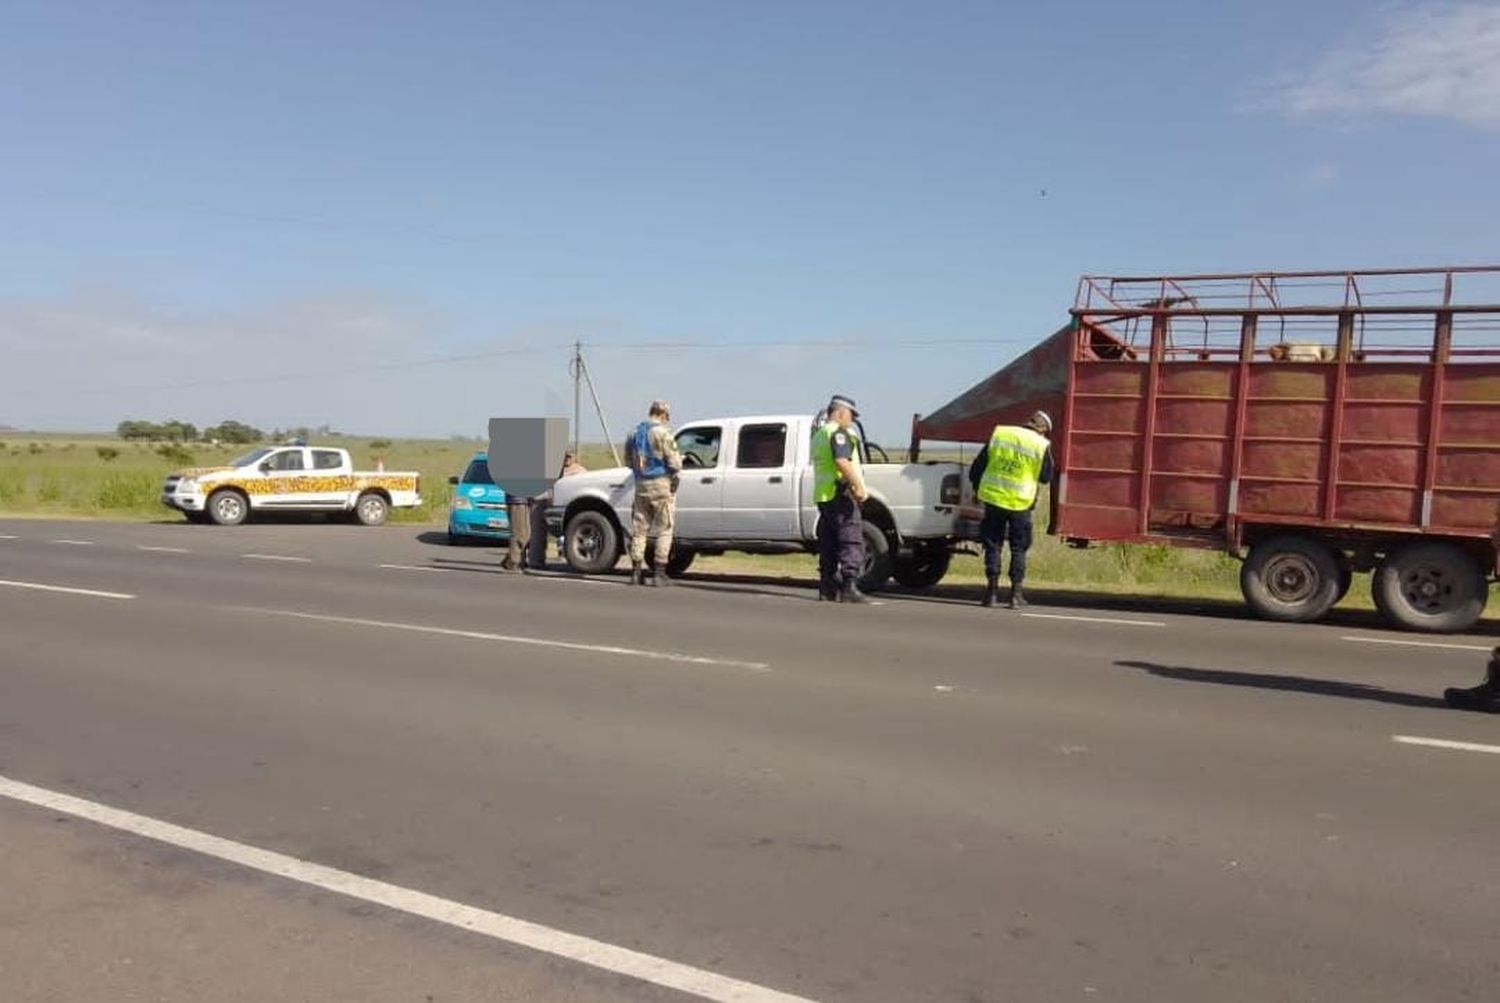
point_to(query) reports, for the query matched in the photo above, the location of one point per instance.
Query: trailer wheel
(1433, 587)
(1293, 579)
(591, 544)
(877, 569)
(923, 568)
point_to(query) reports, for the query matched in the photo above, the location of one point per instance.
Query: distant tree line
(235, 432)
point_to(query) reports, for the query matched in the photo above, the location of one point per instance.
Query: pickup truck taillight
(950, 493)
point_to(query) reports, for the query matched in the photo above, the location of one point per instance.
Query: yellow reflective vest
(826, 476)
(1014, 469)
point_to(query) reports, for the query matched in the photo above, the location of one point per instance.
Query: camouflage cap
(660, 406)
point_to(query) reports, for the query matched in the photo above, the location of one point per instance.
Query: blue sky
(286, 212)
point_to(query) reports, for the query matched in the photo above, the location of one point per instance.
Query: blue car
(477, 508)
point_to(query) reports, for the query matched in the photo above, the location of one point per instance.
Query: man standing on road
(839, 490)
(537, 554)
(518, 512)
(1007, 476)
(656, 464)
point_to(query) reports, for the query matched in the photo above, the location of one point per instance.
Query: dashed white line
(408, 567)
(1443, 743)
(277, 557)
(164, 550)
(540, 642)
(74, 543)
(497, 926)
(1414, 644)
(1096, 619)
(7, 536)
(65, 589)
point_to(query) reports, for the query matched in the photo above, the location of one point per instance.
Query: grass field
(80, 476)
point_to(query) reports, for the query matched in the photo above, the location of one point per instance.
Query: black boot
(991, 592)
(851, 593)
(660, 578)
(828, 591)
(1484, 697)
(1018, 598)
(637, 573)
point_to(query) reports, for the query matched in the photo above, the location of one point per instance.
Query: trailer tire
(877, 570)
(591, 543)
(923, 568)
(1292, 579)
(1434, 587)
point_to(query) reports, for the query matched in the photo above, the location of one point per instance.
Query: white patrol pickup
(747, 485)
(289, 478)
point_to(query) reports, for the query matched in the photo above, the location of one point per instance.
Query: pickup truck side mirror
(453, 480)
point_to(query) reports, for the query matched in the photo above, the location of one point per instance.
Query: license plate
(496, 524)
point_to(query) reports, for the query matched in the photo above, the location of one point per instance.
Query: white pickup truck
(289, 479)
(747, 486)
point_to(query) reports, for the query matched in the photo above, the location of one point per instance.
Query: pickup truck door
(760, 488)
(330, 482)
(700, 492)
(286, 469)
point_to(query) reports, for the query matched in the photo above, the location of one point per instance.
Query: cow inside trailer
(1315, 423)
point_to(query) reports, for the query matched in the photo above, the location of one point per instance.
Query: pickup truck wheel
(1432, 587)
(591, 544)
(923, 568)
(1294, 579)
(679, 562)
(228, 507)
(371, 509)
(877, 559)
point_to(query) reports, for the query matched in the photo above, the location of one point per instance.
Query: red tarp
(1035, 381)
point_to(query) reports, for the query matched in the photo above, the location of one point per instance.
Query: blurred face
(843, 416)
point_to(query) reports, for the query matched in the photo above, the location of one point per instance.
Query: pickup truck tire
(1293, 579)
(877, 559)
(371, 509)
(923, 568)
(679, 562)
(227, 507)
(591, 544)
(1433, 587)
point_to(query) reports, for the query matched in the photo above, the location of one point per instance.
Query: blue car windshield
(478, 473)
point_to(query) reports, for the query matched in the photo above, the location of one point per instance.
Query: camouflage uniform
(654, 511)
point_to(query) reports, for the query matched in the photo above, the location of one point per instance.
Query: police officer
(656, 464)
(839, 490)
(1006, 477)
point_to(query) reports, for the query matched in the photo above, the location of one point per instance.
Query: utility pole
(576, 367)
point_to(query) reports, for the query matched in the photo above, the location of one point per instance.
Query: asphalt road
(914, 801)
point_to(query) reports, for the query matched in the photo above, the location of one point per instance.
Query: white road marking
(277, 557)
(7, 536)
(497, 926)
(39, 587)
(74, 543)
(1443, 743)
(1414, 644)
(1096, 619)
(408, 567)
(164, 550)
(541, 642)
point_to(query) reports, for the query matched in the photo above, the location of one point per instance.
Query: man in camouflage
(656, 464)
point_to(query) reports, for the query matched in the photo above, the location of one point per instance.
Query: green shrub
(107, 453)
(134, 490)
(176, 454)
(34, 449)
(380, 445)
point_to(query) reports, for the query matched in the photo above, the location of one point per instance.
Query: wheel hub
(1291, 578)
(1429, 590)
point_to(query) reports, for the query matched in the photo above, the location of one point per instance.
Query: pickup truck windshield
(250, 458)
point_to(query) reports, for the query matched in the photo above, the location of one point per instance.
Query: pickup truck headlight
(461, 504)
(187, 486)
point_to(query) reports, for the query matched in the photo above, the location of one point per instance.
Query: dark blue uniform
(841, 534)
(1001, 526)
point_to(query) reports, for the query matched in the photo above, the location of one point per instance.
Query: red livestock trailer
(1313, 423)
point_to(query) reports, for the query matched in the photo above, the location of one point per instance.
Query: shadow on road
(1290, 684)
